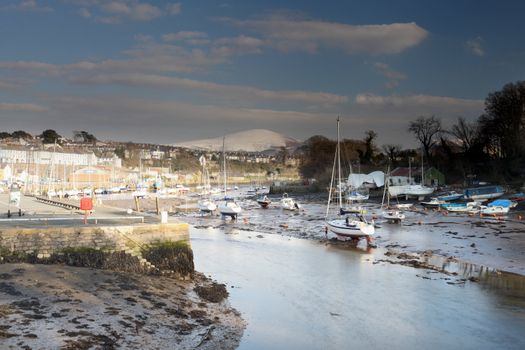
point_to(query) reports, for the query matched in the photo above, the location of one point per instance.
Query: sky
(168, 71)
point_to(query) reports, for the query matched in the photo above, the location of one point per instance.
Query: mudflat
(63, 307)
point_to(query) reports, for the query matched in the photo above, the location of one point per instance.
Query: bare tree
(465, 132)
(392, 151)
(426, 131)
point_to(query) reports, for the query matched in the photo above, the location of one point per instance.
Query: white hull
(229, 208)
(352, 229)
(393, 215)
(486, 196)
(496, 210)
(289, 204)
(207, 206)
(356, 197)
(404, 206)
(410, 190)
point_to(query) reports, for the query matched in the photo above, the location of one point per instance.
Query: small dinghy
(264, 202)
(288, 203)
(433, 203)
(394, 216)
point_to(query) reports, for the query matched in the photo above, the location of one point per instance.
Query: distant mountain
(256, 140)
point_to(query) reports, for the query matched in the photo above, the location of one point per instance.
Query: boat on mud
(228, 207)
(352, 209)
(288, 203)
(345, 228)
(484, 192)
(450, 196)
(404, 206)
(433, 203)
(498, 207)
(394, 216)
(207, 206)
(264, 202)
(469, 207)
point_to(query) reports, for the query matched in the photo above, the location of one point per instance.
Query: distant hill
(256, 140)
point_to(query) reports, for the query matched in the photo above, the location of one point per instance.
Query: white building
(27, 156)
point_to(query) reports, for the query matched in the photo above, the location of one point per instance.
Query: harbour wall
(129, 242)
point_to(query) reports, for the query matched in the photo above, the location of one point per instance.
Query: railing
(62, 204)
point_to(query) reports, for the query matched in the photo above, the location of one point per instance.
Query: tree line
(47, 136)
(490, 148)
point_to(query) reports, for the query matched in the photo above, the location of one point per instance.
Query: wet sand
(61, 307)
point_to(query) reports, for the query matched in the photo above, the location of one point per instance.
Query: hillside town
(83, 163)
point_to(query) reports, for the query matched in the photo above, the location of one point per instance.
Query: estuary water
(303, 294)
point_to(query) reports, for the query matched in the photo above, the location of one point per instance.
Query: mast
(409, 171)
(422, 170)
(338, 153)
(224, 164)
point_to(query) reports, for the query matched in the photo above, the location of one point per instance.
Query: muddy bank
(62, 307)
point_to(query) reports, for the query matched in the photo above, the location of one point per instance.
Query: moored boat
(404, 205)
(347, 228)
(395, 216)
(433, 203)
(228, 207)
(450, 196)
(461, 207)
(484, 192)
(264, 202)
(288, 203)
(207, 206)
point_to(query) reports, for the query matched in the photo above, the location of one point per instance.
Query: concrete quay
(45, 229)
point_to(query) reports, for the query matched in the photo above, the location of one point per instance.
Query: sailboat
(391, 215)
(414, 190)
(228, 206)
(347, 228)
(206, 205)
(356, 194)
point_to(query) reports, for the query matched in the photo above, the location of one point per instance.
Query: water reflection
(298, 294)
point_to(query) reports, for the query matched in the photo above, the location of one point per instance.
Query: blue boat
(485, 192)
(450, 196)
(505, 203)
(460, 207)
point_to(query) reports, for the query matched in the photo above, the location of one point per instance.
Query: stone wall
(42, 242)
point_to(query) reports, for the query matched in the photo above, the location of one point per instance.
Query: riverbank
(55, 306)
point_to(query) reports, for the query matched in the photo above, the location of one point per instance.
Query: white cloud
(27, 5)
(239, 45)
(174, 9)
(425, 101)
(145, 12)
(393, 76)
(189, 37)
(475, 46)
(240, 94)
(290, 34)
(116, 11)
(21, 107)
(84, 12)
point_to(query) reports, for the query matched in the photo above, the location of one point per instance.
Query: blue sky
(167, 72)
